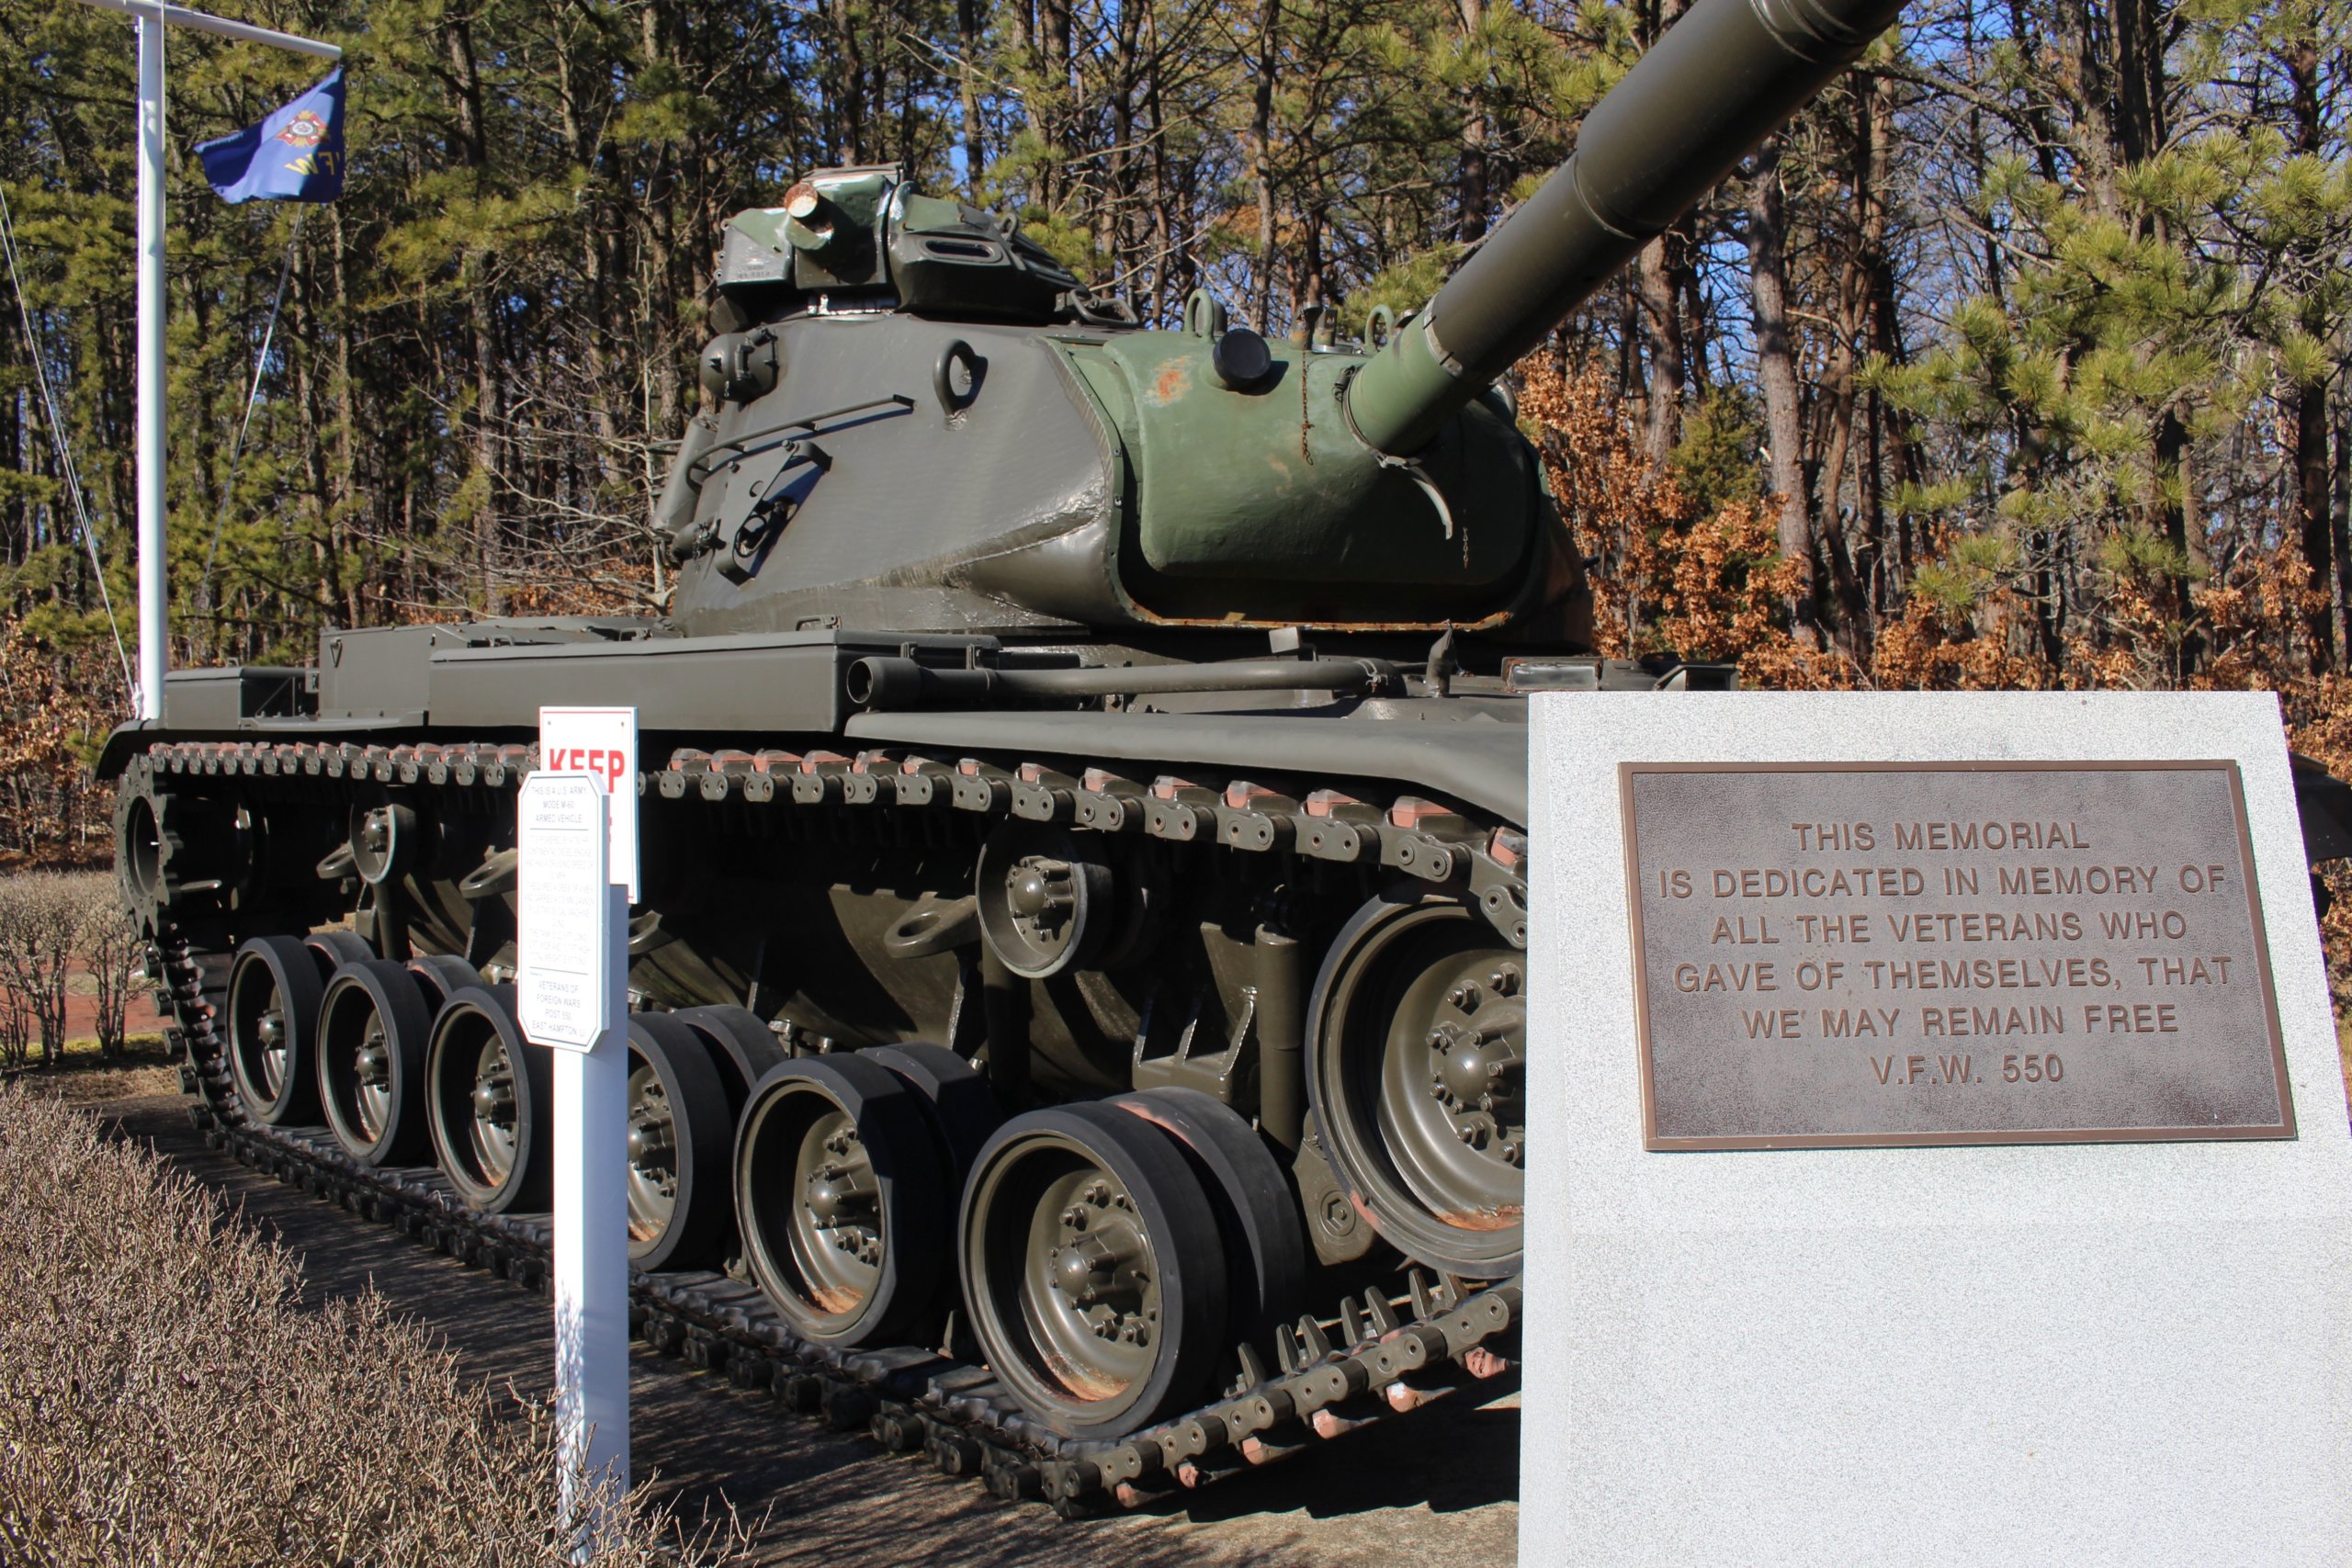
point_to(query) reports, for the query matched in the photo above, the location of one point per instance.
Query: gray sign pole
(577, 832)
(154, 617)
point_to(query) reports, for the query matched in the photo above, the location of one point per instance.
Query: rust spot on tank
(835, 1300)
(1081, 1381)
(1175, 379)
(1500, 1219)
(1402, 1397)
(1481, 1362)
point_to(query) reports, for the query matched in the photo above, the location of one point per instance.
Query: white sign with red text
(601, 742)
(563, 936)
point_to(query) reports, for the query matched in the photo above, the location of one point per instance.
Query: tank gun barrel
(1720, 80)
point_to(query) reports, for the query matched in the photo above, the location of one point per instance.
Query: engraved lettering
(1919, 911)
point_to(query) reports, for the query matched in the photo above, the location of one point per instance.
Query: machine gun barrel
(1720, 80)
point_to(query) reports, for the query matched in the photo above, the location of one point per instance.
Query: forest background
(2019, 359)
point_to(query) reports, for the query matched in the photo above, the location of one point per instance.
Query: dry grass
(84, 1075)
(165, 1398)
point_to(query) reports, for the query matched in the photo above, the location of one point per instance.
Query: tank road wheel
(1417, 1043)
(1092, 1269)
(443, 976)
(681, 1139)
(374, 1026)
(741, 1046)
(1265, 1247)
(843, 1207)
(962, 1108)
(273, 994)
(333, 949)
(486, 1103)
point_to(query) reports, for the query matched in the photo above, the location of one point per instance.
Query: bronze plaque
(1869, 954)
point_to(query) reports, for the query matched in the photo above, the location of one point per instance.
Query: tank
(1078, 979)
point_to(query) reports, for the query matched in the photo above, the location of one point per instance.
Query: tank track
(1372, 1358)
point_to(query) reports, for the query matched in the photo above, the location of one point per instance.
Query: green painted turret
(927, 425)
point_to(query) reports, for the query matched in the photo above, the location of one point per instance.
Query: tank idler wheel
(1417, 1045)
(374, 1026)
(681, 1141)
(1092, 1269)
(742, 1046)
(442, 976)
(1265, 1247)
(962, 1108)
(275, 988)
(843, 1207)
(487, 1103)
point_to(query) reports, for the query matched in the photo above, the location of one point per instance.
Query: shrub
(108, 947)
(42, 919)
(56, 925)
(165, 1397)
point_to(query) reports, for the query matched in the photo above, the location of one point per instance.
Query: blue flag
(294, 155)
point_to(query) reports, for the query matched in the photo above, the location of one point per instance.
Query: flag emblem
(305, 130)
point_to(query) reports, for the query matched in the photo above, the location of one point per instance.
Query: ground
(1439, 1487)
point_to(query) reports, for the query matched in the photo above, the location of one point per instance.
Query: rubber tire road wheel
(279, 976)
(391, 997)
(743, 1047)
(701, 1222)
(963, 1110)
(333, 949)
(1014, 1201)
(1385, 981)
(442, 976)
(1257, 1210)
(796, 1112)
(468, 1022)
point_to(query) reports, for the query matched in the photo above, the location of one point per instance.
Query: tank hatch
(863, 238)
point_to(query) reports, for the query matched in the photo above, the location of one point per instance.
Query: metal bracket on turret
(741, 541)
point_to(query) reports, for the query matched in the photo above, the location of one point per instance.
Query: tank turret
(927, 423)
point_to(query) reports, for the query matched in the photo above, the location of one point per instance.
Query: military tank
(1077, 1019)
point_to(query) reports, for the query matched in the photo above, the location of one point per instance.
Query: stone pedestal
(2126, 1353)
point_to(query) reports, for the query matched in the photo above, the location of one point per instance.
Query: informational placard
(1936, 1146)
(1834, 954)
(563, 978)
(601, 742)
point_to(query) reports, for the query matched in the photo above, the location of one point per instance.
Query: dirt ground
(1437, 1488)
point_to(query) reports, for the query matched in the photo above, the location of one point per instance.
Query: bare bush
(107, 945)
(164, 1397)
(15, 1028)
(41, 915)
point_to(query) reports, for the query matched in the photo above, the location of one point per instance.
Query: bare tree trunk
(2314, 514)
(1776, 376)
(474, 150)
(967, 94)
(1261, 139)
(2340, 524)
(1471, 222)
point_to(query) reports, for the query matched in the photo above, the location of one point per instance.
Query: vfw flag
(294, 155)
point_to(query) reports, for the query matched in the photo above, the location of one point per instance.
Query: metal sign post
(572, 993)
(154, 617)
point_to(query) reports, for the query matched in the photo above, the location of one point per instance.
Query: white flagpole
(154, 617)
(153, 621)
